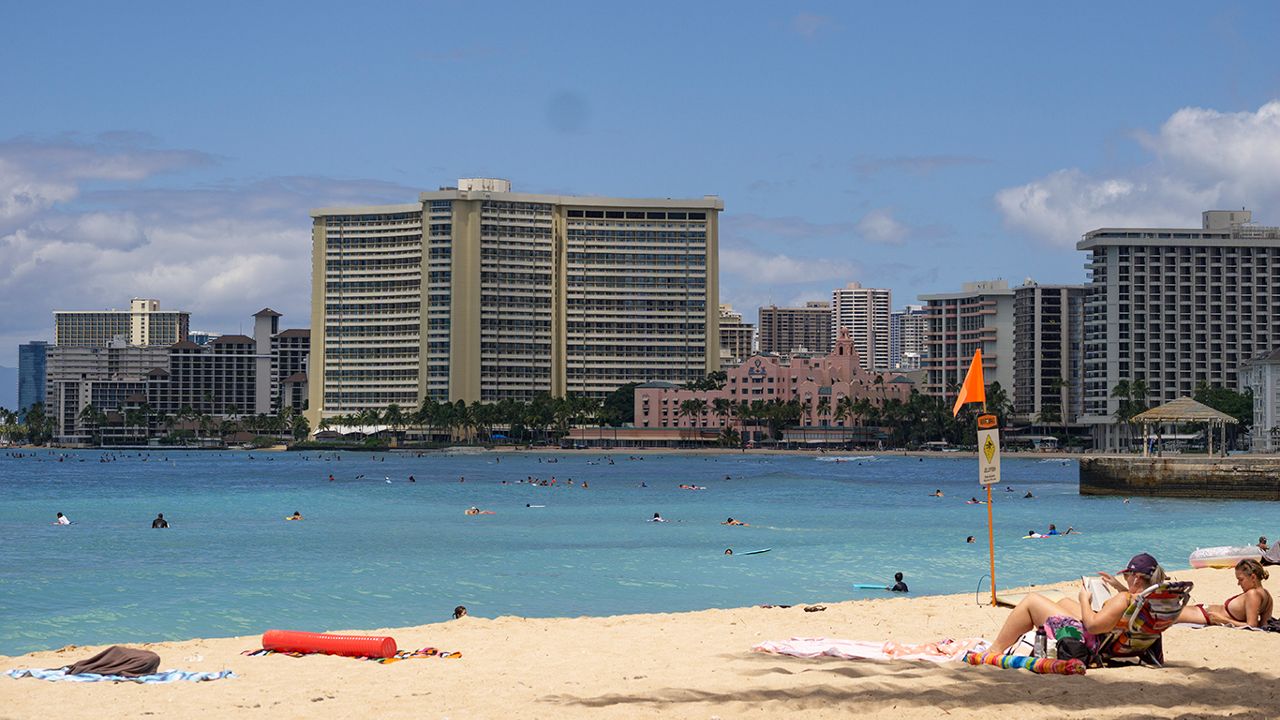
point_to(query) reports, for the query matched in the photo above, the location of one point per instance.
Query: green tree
(620, 406)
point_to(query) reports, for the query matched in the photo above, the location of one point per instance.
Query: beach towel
(946, 650)
(167, 676)
(425, 652)
(1042, 666)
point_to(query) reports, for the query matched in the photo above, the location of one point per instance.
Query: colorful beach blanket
(1042, 666)
(946, 650)
(168, 676)
(425, 652)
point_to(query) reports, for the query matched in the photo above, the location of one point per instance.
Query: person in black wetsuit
(159, 522)
(898, 585)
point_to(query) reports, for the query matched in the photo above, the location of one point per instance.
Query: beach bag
(1070, 648)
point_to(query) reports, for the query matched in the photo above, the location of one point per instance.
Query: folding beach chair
(1137, 634)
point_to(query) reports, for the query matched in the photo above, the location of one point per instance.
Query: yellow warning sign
(988, 457)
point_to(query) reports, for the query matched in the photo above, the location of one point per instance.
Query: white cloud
(809, 25)
(1201, 159)
(879, 226)
(77, 231)
(752, 267)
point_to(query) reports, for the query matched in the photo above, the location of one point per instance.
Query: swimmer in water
(731, 521)
(1028, 496)
(295, 516)
(969, 540)
(937, 493)
(657, 518)
(728, 551)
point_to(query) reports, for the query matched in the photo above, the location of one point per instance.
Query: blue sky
(172, 150)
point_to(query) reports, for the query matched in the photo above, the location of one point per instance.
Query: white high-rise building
(907, 329)
(1176, 307)
(864, 312)
(478, 293)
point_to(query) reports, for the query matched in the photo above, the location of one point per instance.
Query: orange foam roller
(309, 642)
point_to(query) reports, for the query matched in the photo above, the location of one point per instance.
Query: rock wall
(1238, 477)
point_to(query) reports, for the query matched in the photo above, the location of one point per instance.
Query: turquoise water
(376, 554)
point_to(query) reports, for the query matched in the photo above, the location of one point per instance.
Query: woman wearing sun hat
(1035, 610)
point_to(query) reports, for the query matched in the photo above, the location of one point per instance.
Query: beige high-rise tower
(480, 293)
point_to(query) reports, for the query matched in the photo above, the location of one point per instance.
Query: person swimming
(295, 516)
(1028, 496)
(969, 540)
(731, 521)
(728, 551)
(937, 493)
(62, 520)
(657, 518)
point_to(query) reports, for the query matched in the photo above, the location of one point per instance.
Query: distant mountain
(9, 388)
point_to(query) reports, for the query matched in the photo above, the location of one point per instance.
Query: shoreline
(694, 664)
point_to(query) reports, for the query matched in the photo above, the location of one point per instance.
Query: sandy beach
(685, 665)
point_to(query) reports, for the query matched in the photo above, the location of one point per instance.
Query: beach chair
(1138, 633)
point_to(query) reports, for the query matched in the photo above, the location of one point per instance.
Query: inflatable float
(1224, 557)
(309, 642)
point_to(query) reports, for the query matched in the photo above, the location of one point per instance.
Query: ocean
(375, 550)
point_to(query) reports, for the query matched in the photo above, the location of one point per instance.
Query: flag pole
(991, 534)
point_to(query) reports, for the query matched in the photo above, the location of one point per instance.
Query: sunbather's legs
(1031, 613)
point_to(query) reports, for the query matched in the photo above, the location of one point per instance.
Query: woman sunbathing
(1250, 608)
(1035, 609)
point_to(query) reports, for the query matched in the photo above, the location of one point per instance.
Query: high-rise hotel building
(143, 324)
(980, 316)
(907, 330)
(477, 293)
(864, 312)
(1175, 307)
(784, 330)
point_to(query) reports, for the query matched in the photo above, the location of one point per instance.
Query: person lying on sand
(1035, 609)
(1250, 608)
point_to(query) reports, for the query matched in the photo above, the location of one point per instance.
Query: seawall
(1236, 477)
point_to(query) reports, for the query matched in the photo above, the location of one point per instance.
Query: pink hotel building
(765, 377)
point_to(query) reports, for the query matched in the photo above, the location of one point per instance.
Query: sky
(173, 150)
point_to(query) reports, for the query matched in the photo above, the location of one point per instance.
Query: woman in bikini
(1251, 607)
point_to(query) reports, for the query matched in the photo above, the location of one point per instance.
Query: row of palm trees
(141, 422)
(541, 417)
(918, 419)
(33, 426)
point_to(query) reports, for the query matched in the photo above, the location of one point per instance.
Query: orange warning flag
(973, 390)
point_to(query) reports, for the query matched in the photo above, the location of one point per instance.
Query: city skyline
(839, 157)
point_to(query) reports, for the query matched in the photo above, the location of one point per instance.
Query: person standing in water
(898, 585)
(159, 522)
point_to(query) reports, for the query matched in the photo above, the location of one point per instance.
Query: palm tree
(395, 418)
(723, 408)
(693, 407)
(92, 419)
(1063, 386)
(1132, 395)
(824, 409)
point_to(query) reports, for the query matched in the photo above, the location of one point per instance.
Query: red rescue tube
(309, 642)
